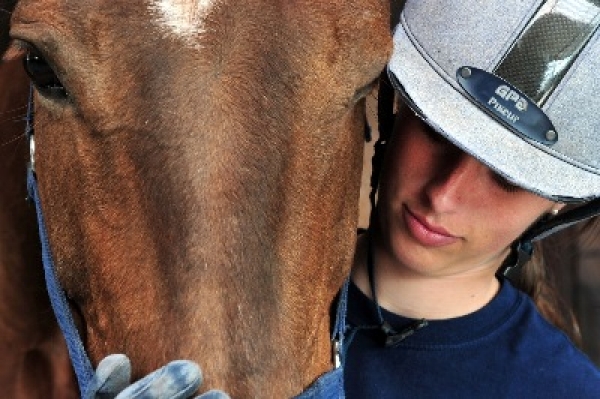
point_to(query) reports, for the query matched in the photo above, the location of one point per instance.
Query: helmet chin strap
(522, 248)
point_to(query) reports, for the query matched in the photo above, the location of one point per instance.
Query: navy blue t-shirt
(504, 350)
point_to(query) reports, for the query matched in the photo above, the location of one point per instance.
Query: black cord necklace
(389, 335)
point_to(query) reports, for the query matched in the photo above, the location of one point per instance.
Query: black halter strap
(390, 336)
(385, 119)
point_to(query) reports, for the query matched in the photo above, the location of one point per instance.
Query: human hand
(177, 380)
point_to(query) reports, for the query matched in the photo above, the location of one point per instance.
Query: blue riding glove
(177, 380)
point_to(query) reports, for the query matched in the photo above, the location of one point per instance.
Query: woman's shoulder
(547, 354)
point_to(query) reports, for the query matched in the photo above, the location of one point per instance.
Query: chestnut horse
(199, 167)
(35, 362)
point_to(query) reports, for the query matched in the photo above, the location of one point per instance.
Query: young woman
(495, 134)
(428, 317)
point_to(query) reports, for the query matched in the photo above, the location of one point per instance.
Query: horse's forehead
(199, 22)
(180, 15)
(187, 17)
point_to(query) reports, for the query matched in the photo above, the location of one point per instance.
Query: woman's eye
(434, 136)
(43, 76)
(505, 184)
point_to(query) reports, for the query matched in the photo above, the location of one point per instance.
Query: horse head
(199, 167)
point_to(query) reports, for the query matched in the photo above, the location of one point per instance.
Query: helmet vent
(548, 45)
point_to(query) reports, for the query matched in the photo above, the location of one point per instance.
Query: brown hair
(538, 281)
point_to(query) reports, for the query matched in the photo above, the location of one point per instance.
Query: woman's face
(441, 212)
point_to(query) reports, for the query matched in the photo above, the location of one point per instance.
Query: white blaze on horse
(199, 167)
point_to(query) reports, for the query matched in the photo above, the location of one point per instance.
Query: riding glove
(177, 380)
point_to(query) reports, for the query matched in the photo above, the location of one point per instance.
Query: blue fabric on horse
(81, 363)
(331, 384)
(328, 386)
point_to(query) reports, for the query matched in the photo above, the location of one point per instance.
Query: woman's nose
(456, 181)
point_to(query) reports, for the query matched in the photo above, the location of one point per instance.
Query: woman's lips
(425, 233)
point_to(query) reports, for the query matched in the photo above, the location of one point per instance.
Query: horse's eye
(43, 77)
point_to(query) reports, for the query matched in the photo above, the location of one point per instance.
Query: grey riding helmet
(512, 82)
